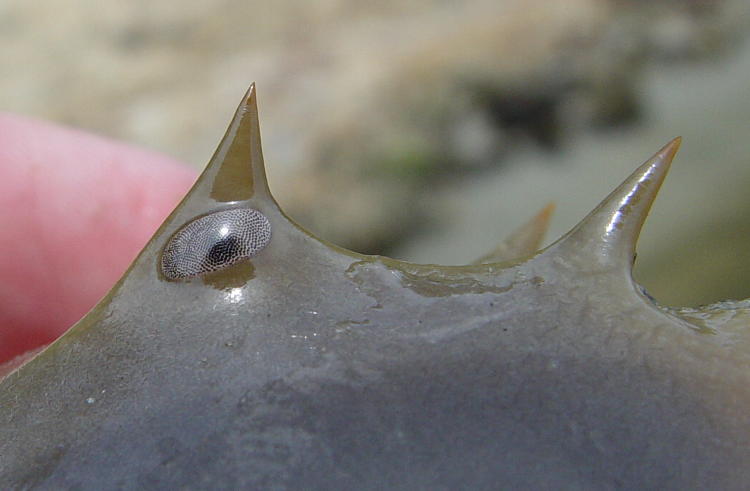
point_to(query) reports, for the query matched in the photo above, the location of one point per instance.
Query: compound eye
(213, 242)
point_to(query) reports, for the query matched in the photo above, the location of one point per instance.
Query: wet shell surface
(227, 359)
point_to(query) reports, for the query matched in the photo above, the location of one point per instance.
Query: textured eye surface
(215, 241)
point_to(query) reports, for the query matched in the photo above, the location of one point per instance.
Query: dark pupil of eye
(224, 250)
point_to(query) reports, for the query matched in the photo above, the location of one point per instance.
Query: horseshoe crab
(250, 354)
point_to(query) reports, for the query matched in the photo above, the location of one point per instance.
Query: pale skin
(75, 209)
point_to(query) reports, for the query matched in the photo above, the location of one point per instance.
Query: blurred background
(427, 130)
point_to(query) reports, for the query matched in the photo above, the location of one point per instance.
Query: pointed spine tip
(668, 151)
(251, 96)
(545, 215)
(610, 232)
(236, 171)
(524, 241)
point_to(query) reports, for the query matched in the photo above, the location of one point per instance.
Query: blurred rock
(365, 105)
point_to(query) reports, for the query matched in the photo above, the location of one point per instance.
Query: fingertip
(75, 209)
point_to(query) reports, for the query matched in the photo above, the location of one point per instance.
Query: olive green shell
(311, 367)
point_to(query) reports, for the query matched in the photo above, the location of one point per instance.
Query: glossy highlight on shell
(215, 241)
(309, 366)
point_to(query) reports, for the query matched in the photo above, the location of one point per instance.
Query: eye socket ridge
(215, 241)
